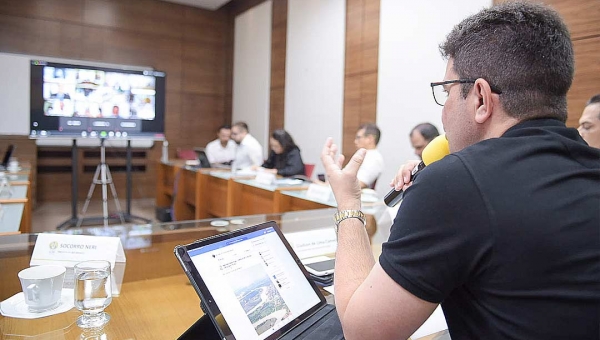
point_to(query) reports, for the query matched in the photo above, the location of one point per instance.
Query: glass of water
(92, 292)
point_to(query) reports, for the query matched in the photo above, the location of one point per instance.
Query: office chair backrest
(308, 169)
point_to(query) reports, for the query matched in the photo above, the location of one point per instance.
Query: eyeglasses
(440, 94)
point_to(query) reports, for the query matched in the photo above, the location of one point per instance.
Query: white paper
(264, 177)
(68, 250)
(313, 242)
(319, 192)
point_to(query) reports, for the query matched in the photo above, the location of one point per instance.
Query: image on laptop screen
(255, 282)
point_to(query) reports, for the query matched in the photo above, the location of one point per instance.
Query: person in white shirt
(249, 152)
(222, 149)
(367, 137)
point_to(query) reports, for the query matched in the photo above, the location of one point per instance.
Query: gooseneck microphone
(437, 149)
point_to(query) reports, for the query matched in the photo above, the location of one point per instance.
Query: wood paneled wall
(361, 68)
(189, 44)
(278, 57)
(583, 19)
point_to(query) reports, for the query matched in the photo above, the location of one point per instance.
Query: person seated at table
(222, 149)
(284, 158)
(249, 152)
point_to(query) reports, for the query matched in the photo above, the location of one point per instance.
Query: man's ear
(483, 92)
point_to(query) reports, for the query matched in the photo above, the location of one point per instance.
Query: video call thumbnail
(70, 92)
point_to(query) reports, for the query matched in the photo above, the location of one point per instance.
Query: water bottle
(165, 152)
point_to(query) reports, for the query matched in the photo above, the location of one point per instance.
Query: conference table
(197, 193)
(156, 300)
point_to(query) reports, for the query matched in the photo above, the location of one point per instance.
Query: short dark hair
(594, 100)
(285, 139)
(224, 126)
(242, 126)
(372, 130)
(524, 49)
(427, 130)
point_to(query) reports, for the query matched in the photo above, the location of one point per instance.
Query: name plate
(68, 250)
(313, 242)
(319, 192)
(266, 178)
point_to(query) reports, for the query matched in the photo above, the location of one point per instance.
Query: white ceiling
(206, 4)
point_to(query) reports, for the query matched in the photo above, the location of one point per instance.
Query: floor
(47, 216)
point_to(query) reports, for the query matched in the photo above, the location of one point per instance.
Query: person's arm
(270, 162)
(293, 164)
(256, 154)
(369, 303)
(209, 152)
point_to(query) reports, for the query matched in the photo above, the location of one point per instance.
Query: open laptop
(7, 155)
(253, 286)
(204, 163)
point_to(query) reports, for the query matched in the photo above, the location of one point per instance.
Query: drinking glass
(92, 292)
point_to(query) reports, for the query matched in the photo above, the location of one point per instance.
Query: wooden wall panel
(54, 10)
(587, 77)
(193, 46)
(582, 18)
(157, 18)
(278, 58)
(361, 68)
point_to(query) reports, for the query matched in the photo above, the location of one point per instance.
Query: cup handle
(33, 292)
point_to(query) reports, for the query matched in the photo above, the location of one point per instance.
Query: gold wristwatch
(345, 214)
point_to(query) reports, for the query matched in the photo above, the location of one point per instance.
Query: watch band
(345, 214)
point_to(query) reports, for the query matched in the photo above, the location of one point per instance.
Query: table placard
(319, 192)
(312, 243)
(68, 250)
(264, 177)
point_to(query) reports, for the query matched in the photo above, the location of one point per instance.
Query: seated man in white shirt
(367, 137)
(249, 152)
(222, 149)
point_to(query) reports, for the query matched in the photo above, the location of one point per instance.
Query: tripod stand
(102, 177)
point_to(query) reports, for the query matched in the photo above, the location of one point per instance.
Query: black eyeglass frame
(494, 89)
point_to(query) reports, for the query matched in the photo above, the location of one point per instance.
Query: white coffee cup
(42, 286)
(13, 165)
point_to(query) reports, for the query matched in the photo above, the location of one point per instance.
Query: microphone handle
(394, 197)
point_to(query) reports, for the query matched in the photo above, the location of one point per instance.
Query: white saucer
(16, 307)
(219, 223)
(237, 221)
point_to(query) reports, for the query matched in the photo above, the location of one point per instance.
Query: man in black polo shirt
(505, 231)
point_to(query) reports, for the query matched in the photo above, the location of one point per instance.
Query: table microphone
(437, 149)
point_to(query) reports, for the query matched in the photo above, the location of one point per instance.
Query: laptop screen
(256, 283)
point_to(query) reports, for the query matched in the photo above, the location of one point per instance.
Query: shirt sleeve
(256, 154)
(369, 170)
(209, 152)
(441, 234)
(293, 164)
(270, 162)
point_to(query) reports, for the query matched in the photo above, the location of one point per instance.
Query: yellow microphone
(437, 149)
